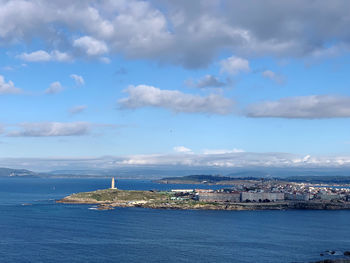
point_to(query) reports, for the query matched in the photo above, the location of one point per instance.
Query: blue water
(33, 228)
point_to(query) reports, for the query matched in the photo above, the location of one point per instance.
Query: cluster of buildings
(268, 191)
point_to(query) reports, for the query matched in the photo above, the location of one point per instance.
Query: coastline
(112, 198)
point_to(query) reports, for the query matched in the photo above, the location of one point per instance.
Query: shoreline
(112, 198)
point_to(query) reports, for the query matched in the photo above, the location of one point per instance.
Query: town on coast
(239, 195)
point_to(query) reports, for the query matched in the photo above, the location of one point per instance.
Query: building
(328, 197)
(261, 197)
(297, 196)
(113, 183)
(219, 197)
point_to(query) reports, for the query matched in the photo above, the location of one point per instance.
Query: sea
(34, 228)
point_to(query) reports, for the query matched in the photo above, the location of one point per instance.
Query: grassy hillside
(110, 195)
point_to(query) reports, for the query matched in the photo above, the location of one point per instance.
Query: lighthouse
(113, 183)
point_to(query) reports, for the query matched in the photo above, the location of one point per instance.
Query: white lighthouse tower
(113, 183)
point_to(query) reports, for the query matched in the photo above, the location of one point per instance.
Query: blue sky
(161, 82)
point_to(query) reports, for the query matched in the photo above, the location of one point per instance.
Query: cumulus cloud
(303, 107)
(8, 87)
(234, 65)
(77, 109)
(182, 149)
(51, 129)
(43, 56)
(208, 81)
(273, 76)
(174, 100)
(91, 46)
(172, 31)
(79, 80)
(55, 87)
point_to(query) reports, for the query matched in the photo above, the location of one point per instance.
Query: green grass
(122, 195)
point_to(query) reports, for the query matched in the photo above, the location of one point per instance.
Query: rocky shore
(111, 198)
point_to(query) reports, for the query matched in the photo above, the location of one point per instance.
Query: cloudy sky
(207, 82)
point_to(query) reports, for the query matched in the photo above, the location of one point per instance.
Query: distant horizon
(191, 162)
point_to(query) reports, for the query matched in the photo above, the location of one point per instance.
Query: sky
(202, 82)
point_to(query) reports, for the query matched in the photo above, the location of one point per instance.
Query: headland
(197, 199)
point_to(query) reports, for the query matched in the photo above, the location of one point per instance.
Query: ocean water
(33, 228)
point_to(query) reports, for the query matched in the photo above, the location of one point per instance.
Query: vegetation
(121, 195)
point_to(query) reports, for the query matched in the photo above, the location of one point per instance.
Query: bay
(34, 228)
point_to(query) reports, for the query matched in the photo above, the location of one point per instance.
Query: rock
(347, 253)
(105, 207)
(330, 252)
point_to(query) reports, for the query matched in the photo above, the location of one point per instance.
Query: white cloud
(8, 87)
(174, 100)
(77, 109)
(91, 46)
(55, 87)
(207, 162)
(329, 52)
(51, 129)
(208, 81)
(43, 56)
(234, 65)
(273, 76)
(79, 80)
(303, 107)
(182, 149)
(60, 56)
(172, 31)
(230, 160)
(37, 56)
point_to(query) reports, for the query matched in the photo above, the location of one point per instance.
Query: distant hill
(320, 179)
(203, 178)
(199, 174)
(5, 172)
(218, 179)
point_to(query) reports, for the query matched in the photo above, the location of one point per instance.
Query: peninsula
(263, 196)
